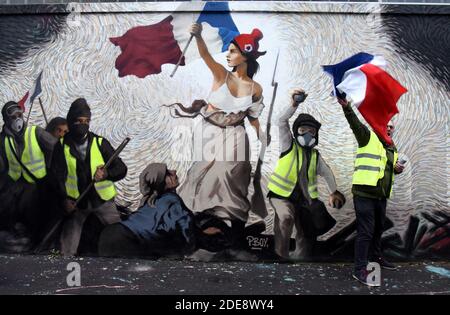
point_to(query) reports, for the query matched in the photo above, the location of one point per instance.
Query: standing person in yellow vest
(25, 158)
(293, 185)
(373, 178)
(81, 159)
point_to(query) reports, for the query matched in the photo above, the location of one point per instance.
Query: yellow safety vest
(105, 189)
(32, 157)
(370, 163)
(284, 178)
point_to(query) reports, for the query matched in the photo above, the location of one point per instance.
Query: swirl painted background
(78, 61)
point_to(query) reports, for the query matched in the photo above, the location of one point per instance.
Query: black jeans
(370, 218)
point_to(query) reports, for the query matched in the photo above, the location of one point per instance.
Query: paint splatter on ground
(439, 270)
(44, 275)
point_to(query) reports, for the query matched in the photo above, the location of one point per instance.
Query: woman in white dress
(218, 182)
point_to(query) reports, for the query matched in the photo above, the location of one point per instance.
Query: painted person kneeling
(162, 226)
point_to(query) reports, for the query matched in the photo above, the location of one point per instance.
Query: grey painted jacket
(286, 142)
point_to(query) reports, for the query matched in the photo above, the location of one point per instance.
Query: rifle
(257, 200)
(85, 192)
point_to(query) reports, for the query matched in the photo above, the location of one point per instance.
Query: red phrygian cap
(248, 43)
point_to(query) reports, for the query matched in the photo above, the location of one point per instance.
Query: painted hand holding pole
(257, 201)
(85, 192)
(113, 157)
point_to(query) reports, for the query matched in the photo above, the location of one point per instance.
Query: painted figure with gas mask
(26, 204)
(293, 191)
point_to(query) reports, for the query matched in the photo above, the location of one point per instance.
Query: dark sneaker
(361, 276)
(385, 264)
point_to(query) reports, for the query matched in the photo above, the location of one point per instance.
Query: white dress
(219, 180)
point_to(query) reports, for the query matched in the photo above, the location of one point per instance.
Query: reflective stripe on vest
(284, 178)
(105, 189)
(312, 176)
(32, 157)
(370, 163)
(71, 180)
(14, 168)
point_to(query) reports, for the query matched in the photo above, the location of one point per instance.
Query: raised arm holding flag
(144, 49)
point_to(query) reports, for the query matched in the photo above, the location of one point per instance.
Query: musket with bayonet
(257, 200)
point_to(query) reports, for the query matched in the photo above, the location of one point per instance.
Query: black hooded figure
(80, 160)
(293, 191)
(27, 203)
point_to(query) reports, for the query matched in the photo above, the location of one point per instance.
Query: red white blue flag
(144, 49)
(362, 80)
(31, 95)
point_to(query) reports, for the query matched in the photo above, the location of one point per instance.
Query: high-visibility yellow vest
(32, 157)
(105, 189)
(370, 163)
(284, 178)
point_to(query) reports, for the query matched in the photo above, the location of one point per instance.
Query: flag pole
(43, 111)
(29, 113)
(181, 57)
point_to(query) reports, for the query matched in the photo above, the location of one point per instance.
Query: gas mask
(306, 136)
(13, 118)
(17, 125)
(306, 130)
(307, 140)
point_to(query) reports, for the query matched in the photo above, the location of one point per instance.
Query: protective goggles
(304, 129)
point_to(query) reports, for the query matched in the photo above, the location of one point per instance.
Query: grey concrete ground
(47, 275)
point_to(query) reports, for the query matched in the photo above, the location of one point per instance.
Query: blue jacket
(169, 221)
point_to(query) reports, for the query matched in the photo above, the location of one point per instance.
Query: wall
(78, 59)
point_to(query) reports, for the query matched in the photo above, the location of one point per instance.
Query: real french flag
(337, 71)
(144, 49)
(375, 93)
(31, 95)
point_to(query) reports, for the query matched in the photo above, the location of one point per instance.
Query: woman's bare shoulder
(257, 90)
(220, 75)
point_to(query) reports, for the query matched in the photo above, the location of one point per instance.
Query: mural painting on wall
(226, 97)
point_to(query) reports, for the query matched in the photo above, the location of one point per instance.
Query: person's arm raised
(218, 71)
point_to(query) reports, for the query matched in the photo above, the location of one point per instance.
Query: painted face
(15, 120)
(80, 127)
(234, 56)
(17, 114)
(171, 179)
(304, 129)
(82, 121)
(390, 128)
(60, 131)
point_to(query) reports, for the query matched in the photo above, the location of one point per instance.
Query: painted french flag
(362, 79)
(144, 49)
(31, 95)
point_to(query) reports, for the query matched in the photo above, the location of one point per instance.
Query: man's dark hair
(54, 123)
